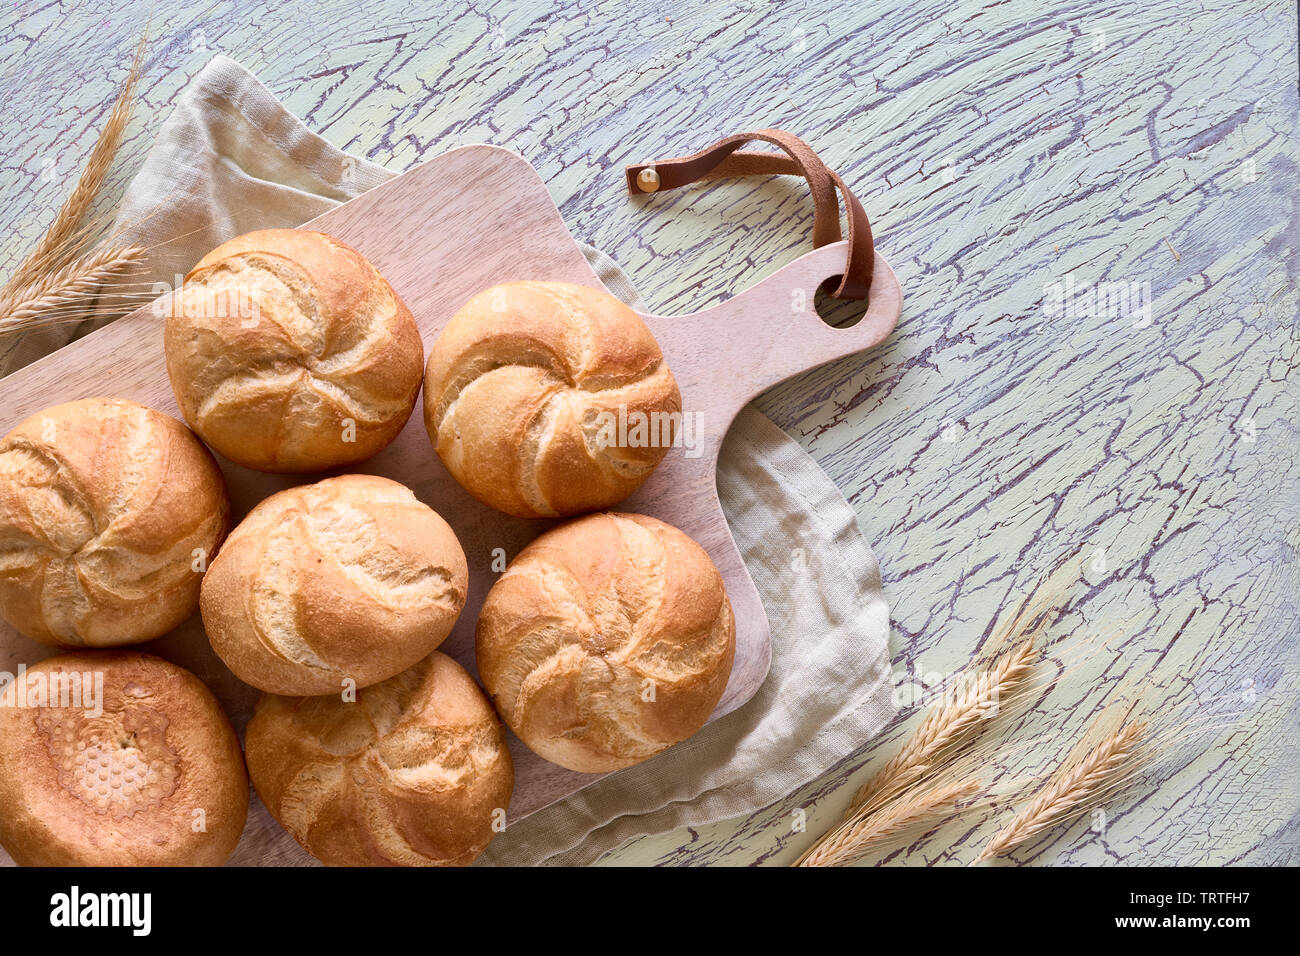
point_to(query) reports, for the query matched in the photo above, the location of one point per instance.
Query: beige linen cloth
(231, 159)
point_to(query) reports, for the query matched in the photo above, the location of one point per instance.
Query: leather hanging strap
(726, 158)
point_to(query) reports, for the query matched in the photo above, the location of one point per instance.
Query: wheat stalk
(851, 840)
(947, 728)
(928, 775)
(1074, 789)
(66, 291)
(64, 237)
(912, 787)
(945, 731)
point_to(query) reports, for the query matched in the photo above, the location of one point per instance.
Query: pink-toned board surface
(470, 218)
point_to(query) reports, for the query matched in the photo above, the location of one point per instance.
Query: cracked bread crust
(350, 578)
(411, 774)
(607, 640)
(519, 384)
(289, 352)
(155, 779)
(109, 511)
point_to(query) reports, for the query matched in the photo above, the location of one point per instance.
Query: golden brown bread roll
(349, 578)
(288, 352)
(109, 513)
(607, 640)
(110, 758)
(414, 773)
(523, 396)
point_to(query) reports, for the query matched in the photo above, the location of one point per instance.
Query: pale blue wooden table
(1001, 149)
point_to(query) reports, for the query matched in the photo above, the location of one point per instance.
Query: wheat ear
(897, 796)
(1074, 789)
(945, 728)
(68, 288)
(851, 840)
(60, 242)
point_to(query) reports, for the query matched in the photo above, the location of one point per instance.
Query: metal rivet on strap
(647, 180)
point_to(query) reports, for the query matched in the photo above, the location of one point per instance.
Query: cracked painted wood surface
(1003, 150)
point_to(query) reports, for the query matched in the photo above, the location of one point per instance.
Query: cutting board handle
(773, 331)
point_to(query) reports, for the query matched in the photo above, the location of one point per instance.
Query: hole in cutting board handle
(838, 313)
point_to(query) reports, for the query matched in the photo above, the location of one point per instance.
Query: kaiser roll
(546, 399)
(414, 773)
(110, 758)
(607, 640)
(288, 352)
(109, 512)
(349, 578)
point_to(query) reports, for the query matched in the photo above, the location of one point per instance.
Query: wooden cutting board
(447, 229)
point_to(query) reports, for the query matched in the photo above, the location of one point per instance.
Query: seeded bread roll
(109, 512)
(607, 640)
(414, 773)
(288, 352)
(349, 578)
(110, 758)
(547, 399)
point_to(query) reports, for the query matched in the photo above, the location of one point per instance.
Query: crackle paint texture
(1091, 208)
